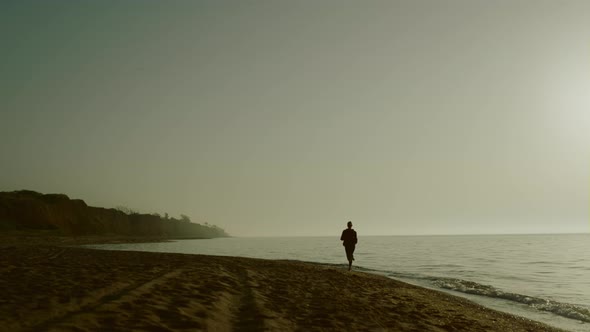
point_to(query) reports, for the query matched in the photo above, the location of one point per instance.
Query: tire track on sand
(248, 316)
(89, 307)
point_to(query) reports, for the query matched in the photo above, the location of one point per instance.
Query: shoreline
(37, 238)
(51, 286)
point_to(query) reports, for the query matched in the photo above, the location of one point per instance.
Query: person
(349, 241)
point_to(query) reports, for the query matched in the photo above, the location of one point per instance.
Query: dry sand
(55, 288)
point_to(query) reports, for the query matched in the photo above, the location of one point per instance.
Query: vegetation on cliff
(29, 210)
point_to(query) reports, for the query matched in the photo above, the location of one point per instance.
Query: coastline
(54, 286)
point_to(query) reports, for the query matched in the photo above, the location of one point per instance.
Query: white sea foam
(559, 308)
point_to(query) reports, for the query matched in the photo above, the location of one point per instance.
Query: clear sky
(293, 117)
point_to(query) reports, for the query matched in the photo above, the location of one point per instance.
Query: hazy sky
(293, 117)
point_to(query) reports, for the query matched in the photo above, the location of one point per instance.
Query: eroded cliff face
(21, 210)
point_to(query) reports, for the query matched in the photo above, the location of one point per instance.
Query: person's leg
(349, 251)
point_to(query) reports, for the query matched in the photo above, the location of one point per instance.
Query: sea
(541, 277)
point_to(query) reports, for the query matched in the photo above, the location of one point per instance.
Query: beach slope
(56, 288)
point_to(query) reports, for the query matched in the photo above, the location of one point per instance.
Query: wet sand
(50, 287)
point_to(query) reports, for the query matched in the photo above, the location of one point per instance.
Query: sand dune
(55, 288)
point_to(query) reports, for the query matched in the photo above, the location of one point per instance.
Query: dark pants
(349, 248)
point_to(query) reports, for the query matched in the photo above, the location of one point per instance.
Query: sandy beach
(52, 287)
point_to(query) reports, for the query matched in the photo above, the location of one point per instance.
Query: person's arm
(356, 240)
(342, 236)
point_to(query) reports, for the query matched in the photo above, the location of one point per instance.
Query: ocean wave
(559, 308)
(566, 310)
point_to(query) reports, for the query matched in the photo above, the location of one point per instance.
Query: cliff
(24, 210)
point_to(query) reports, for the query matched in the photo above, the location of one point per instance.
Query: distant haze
(293, 117)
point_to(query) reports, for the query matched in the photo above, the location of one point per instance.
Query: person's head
(349, 224)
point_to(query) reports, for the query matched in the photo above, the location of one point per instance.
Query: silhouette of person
(349, 241)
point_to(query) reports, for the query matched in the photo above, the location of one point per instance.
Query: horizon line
(465, 234)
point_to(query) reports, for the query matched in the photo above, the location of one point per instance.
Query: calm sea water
(542, 277)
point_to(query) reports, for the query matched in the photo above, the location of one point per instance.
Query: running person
(349, 241)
